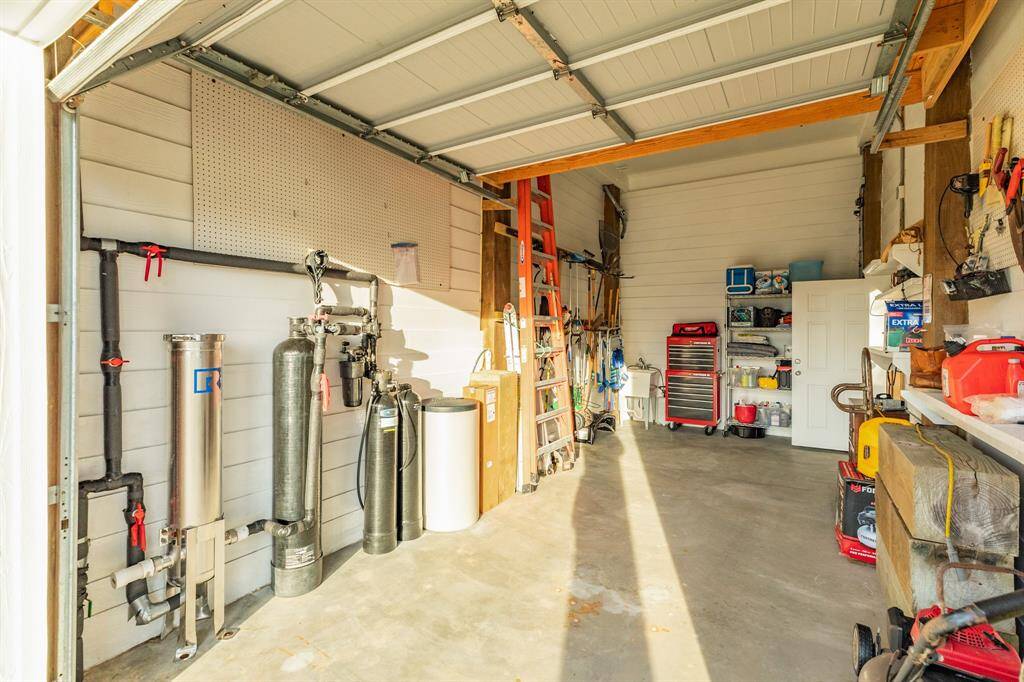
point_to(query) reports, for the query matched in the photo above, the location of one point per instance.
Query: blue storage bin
(739, 280)
(805, 270)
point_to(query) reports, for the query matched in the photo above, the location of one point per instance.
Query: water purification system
(297, 563)
(410, 467)
(380, 518)
(196, 517)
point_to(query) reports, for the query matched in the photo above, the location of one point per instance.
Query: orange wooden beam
(803, 114)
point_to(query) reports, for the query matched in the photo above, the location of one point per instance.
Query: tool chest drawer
(690, 354)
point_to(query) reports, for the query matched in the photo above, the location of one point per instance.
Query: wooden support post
(495, 278)
(609, 309)
(871, 211)
(943, 160)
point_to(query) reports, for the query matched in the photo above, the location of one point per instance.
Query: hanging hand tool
(986, 164)
(1013, 187)
(1000, 175)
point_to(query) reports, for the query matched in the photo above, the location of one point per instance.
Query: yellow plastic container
(867, 444)
(768, 382)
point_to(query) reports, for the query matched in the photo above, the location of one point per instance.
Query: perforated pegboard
(1006, 97)
(273, 183)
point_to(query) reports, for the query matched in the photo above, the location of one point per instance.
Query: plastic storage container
(805, 270)
(450, 443)
(739, 280)
(980, 369)
(744, 413)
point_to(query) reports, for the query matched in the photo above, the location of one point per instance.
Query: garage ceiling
(466, 86)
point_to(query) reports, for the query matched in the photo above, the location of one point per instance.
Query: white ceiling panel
(474, 60)
(539, 101)
(548, 142)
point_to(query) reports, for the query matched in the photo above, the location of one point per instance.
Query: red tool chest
(691, 382)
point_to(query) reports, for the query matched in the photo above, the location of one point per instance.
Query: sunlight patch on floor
(673, 645)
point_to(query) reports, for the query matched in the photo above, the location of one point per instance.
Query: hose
(362, 447)
(407, 419)
(954, 557)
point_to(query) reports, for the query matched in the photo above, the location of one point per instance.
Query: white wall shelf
(911, 290)
(928, 402)
(882, 358)
(901, 255)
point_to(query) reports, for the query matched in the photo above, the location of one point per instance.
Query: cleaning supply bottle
(1014, 377)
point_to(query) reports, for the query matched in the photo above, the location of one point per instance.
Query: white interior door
(830, 327)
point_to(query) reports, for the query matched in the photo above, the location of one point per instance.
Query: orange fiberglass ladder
(545, 400)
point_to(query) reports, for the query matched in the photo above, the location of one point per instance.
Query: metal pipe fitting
(146, 611)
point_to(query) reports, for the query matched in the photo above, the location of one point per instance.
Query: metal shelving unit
(778, 336)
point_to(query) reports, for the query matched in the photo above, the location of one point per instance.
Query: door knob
(797, 372)
(796, 361)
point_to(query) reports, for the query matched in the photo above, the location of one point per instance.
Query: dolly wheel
(710, 430)
(864, 648)
(672, 426)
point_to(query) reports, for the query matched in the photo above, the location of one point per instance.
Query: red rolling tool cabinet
(691, 382)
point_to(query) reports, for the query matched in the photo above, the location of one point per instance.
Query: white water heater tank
(450, 443)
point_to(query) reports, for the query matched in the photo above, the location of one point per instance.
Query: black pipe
(142, 249)
(110, 363)
(113, 478)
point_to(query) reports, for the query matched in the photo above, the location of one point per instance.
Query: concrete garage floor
(663, 556)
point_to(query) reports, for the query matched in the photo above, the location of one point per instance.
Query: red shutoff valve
(115, 362)
(151, 251)
(138, 529)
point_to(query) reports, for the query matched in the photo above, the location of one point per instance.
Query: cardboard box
(903, 325)
(497, 391)
(855, 514)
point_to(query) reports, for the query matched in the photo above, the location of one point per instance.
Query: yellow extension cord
(949, 485)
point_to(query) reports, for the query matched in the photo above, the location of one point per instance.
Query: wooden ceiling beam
(803, 114)
(939, 64)
(940, 132)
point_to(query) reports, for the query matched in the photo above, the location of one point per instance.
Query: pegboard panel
(273, 183)
(1006, 97)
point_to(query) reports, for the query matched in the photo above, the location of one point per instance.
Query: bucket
(805, 270)
(739, 280)
(745, 413)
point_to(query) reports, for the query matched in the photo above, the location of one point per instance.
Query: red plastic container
(746, 414)
(978, 369)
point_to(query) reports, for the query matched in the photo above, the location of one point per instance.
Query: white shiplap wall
(913, 182)
(136, 177)
(682, 237)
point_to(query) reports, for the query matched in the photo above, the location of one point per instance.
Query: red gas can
(978, 369)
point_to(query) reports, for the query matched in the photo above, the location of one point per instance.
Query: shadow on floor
(747, 528)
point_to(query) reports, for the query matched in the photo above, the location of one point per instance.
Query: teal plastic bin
(805, 270)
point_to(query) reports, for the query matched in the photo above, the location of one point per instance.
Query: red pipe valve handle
(115, 362)
(157, 251)
(138, 528)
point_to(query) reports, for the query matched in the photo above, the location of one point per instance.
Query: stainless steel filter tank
(195, 428)
(196, 519)
(410, 467)
(380, 532)
(297, 561)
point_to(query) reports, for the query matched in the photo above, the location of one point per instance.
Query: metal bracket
(598, 111)
(879, 86)
(561, 71)
(506, 10)
(298, 100)
(264, 80)
(895, 35)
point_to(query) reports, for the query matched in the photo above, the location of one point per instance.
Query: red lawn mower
(942, 645)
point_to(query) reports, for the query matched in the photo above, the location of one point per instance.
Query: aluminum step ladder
(545, 399)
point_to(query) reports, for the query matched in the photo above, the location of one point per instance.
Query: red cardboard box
(855, 514)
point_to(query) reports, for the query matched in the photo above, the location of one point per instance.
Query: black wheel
(672, 426)
(864, 648)
(710, 430)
